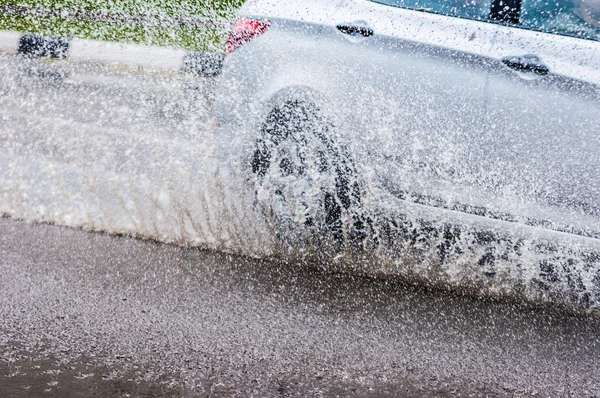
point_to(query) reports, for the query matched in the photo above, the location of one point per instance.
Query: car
(477, 120)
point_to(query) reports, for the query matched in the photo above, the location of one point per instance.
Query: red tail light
(243, 31)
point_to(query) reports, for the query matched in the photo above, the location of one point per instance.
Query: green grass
(205, 39)
(176, 7)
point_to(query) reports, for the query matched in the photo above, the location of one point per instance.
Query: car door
(414, 79)
(541, 152)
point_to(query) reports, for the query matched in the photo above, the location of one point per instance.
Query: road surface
(87, 314)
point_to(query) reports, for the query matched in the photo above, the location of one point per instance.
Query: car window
(474, 9)
(579, 18)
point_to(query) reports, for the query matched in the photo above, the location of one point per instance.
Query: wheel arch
(301, 94)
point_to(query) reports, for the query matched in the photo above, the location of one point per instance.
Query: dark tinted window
(579, 18)
(475, 9)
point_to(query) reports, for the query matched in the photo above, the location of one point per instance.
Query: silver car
(483, 113)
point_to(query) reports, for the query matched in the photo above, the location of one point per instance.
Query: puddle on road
(79, 378)
(27, 377)
(135, 154)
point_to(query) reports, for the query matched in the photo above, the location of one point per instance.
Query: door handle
(526, 63)
(353, 30)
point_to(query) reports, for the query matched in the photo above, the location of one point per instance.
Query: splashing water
(132, 150)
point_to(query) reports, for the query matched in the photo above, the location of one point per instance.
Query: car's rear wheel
(306, 183)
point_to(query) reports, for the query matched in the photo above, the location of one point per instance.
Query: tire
(306, 184)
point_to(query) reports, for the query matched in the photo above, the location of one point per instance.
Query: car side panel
(406, 100)
(410, 101)
(543, 144)
(416, 91)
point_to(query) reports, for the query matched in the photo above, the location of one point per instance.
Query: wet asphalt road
(87, 314)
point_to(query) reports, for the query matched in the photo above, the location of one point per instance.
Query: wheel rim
(296, 170)
(294, 179)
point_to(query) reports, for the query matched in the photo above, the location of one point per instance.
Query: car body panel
(543, 143)
(421, 105)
